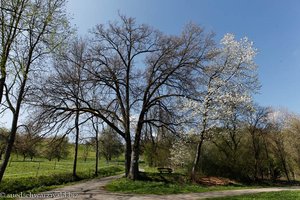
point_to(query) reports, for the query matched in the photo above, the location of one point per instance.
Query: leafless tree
(59, 95)
(96, 124)
(27, 141)
(257, 121)
(132, 70)
(142, 69)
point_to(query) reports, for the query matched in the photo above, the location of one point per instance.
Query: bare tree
(257, 121)
(279, 122)
(95, 124)
(115, 51)
(57, 147)
(133, 70)
(59, 96)
(138, 86)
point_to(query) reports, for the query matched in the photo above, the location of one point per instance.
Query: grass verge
(286, 195)
(155, 183)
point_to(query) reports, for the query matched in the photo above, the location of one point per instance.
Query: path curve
(93, 190)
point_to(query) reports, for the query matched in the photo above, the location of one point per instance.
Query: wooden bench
(164, 170)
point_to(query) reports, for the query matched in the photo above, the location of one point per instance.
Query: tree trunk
(14, 126)
(256, 151)
(200, 143)
(97, 152)
(2, 82)
(197, 159)
(127, 155)
(255, 169)
(134, 165)
(76, 144)
(10, 144)
(286, 171)
(270, 165)
(4, 58)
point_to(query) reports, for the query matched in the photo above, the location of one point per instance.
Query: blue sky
(273, 26)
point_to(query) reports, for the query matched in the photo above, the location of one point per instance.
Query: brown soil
(211, 180)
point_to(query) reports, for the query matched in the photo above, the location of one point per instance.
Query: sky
(273, 26)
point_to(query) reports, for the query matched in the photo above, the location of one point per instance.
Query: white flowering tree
(227, 137)
(228, 79)
(180, 153)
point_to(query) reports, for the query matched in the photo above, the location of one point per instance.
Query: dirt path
(92, 190)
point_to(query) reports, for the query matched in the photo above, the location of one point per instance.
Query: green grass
(42, 183)
(155, 183)
(41, 174)
(17, 168)
(286, 195)
(153, 187)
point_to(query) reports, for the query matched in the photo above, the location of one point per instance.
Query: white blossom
(228, 82)
(180, 153)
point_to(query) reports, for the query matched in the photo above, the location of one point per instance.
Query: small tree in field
(110, 145)
(27, 145)
(86, 149)
(57, 148)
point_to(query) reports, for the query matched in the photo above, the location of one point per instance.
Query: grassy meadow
(39, 166)
(42, 167)
(18, 168)
(40, 174)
